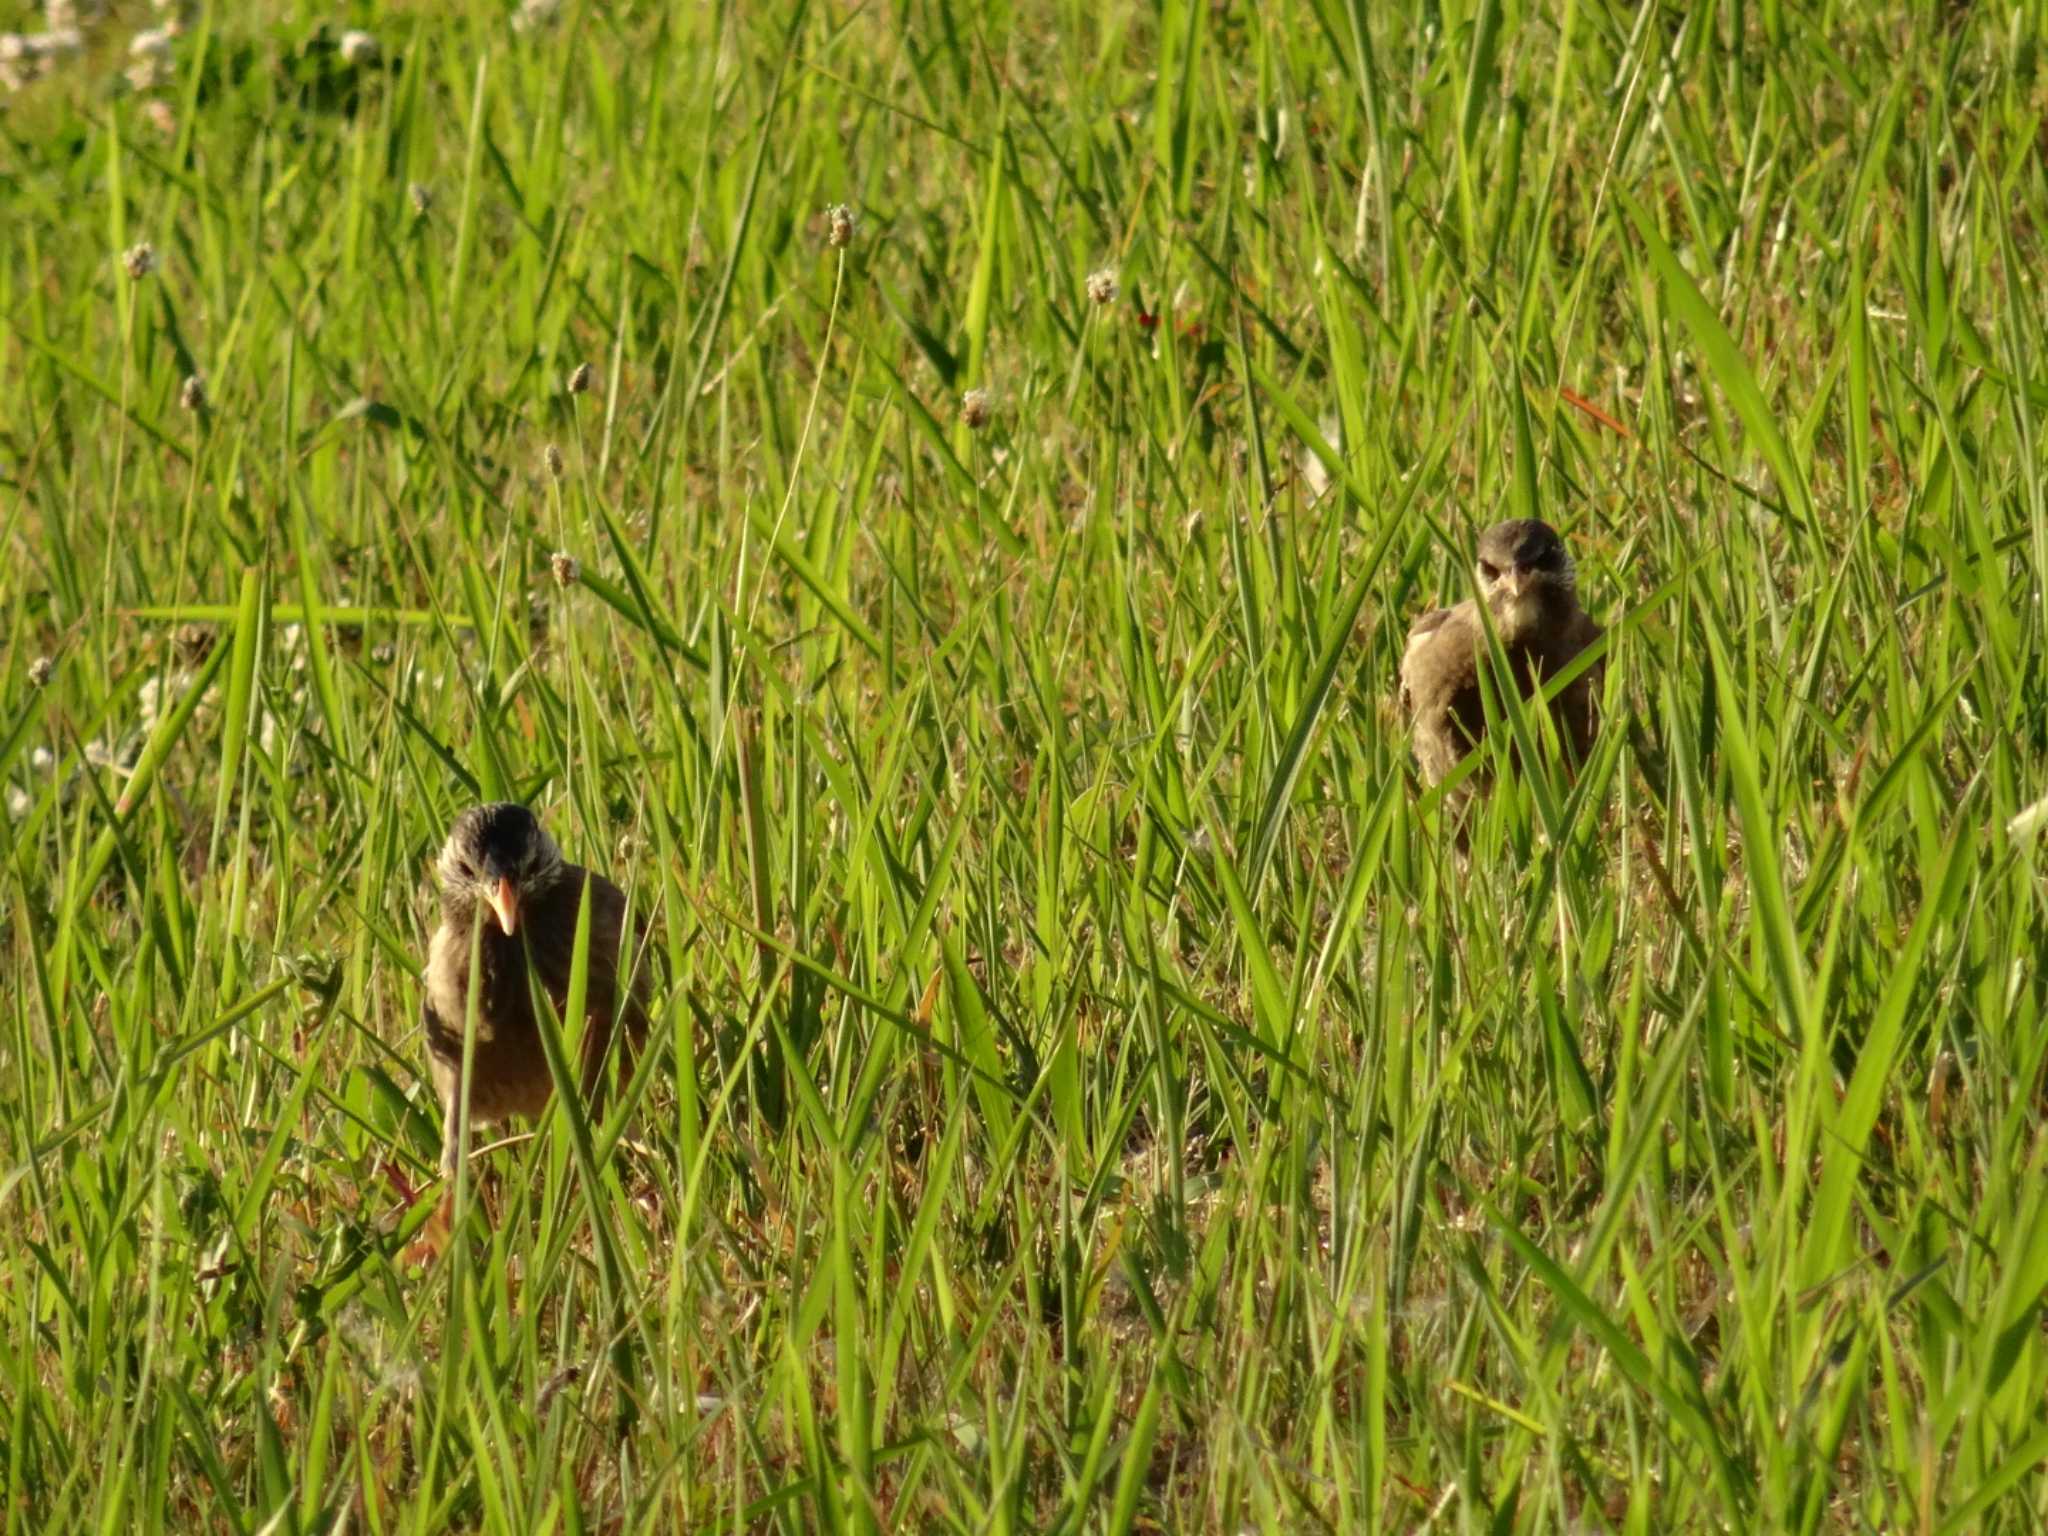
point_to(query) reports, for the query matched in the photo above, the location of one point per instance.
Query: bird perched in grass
(1528, 582)
(500, 871)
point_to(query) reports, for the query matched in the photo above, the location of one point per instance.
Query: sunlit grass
(1093, 1087)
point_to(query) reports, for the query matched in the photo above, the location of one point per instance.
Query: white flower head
(148, 73)
(533, 15)
(57, 43)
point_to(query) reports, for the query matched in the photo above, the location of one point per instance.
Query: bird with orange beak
(502, 874)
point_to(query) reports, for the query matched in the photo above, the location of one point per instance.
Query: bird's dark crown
(1526, 577)
(1523, 544)
(503, 840)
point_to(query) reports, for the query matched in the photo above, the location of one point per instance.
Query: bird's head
(1524, 573)
(499, 855)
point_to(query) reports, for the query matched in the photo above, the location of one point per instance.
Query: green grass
(1091, 1090)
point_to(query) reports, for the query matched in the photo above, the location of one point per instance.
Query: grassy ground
(1091, 1091)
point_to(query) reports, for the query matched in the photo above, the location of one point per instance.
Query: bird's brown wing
(551, 933)
(607, 928)
(444, 1066)
(1440, 688)
(1577, 706)
(1418, 635)
(446, 987)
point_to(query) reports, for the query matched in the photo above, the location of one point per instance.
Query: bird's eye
(1488, 569)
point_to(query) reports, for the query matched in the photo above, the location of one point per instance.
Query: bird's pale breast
(1440, 681)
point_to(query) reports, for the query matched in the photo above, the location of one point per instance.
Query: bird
(501, 872)
(1529, 584)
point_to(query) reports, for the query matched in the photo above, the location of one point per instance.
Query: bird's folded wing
(444, 1042)
(1581, 633)
(1427, 625)
(552, 939)
(445, 987)
(608, 926)
(1579, 704)
(1440, 659)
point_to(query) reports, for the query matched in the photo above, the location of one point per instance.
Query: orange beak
(505, 902)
